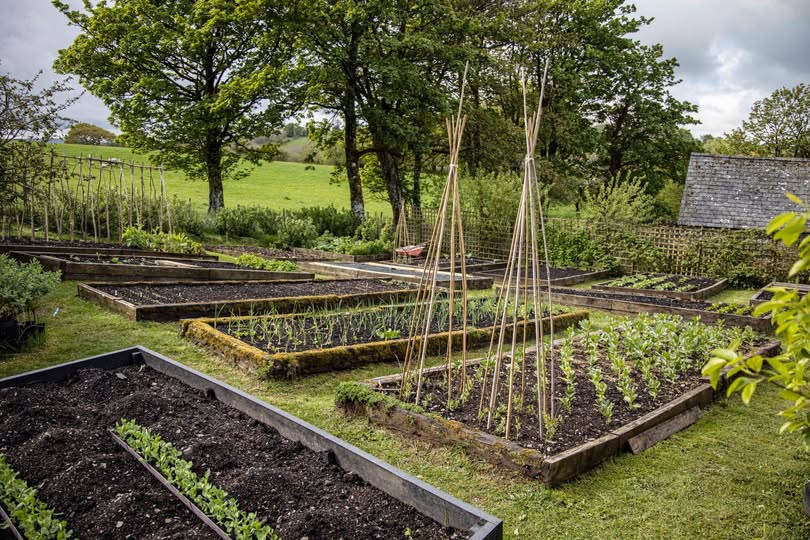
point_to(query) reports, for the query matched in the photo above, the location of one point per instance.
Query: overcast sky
(731, 52)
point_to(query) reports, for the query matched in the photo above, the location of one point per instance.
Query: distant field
(277, 185)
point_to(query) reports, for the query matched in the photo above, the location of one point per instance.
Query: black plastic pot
(14, 334)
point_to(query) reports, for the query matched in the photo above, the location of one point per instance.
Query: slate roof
(741, 192)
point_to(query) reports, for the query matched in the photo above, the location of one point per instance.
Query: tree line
(196, 80)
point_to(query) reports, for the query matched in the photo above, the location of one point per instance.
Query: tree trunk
(393, 182)
(213, 163)
(417, 180)
(353, 157)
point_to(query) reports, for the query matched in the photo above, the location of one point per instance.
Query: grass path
(279, 184)
(729, 476)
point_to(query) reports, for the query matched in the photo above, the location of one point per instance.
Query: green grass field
(279, 184)
(728, 476)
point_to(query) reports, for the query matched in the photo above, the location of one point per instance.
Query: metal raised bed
(426, 499)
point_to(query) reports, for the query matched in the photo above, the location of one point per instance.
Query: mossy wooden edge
(631, 307)
(105, 251)
(203, 332)
(367, 399)
(282, 305)
(705, 292)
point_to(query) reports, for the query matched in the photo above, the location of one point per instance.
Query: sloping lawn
(729, 476)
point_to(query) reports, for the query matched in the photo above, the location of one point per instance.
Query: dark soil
(147, 261)
(583, 424)
(307, 333)
(59, 243)
(696, 282)
(55, 436)
(556, 273)
(641, 299)
(266, 252)
(167, 293)
(387, 269)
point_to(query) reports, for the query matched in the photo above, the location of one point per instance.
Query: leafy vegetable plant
(213, 501)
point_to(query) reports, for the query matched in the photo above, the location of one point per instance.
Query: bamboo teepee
(519, 314)
(449, 219)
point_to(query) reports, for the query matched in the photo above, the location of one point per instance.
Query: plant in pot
(22, 287)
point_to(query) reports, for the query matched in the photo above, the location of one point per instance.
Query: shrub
(329, 219)
(160, 241)
(186, 219)
(668, 201)
(249, 260)
(239, 221)
(620, 199)
(22, 286)
(296, 232)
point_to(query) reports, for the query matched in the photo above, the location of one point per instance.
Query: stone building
(741, 192)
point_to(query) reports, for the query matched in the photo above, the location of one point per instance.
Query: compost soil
(444, 262)
(146, 261)
(160, 293)
(584, 423)
(55, 436)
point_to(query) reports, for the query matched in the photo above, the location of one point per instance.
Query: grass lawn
(728, 476)
(278, 184)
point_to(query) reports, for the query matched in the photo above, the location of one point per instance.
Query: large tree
(83, 133)
(779, 125)
(192, 80)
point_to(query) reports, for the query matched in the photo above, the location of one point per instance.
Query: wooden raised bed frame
(175, 312)
(802, 288)
(86, 271)
(552, 470)
(319, 254)
(564, 281)
(632, 307)
(291, 364)
(691, 295)
(413, 275)
(428, 500)
(105, 251)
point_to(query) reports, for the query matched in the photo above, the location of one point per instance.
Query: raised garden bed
(595, 424)
(626, 304)
(265, 252)
(559, 276)
(82, 267)
(297, 478)
(472, 264)
(763, 295)
(391, 271)
(184, 300)
(89, 248)
(292, 345)
(667, 285)
(322, 255)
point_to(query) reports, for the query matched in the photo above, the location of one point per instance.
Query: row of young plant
(212, 500)
(30, 515)
(248, 260)
(319, 329)
(731, 309)
(638, 356)
(655, 282)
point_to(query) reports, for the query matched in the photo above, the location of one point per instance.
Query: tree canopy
(83, 133)
(192, 80)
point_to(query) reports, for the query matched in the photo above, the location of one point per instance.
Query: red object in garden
(411, 251)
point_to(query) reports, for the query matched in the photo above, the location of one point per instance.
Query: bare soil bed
(56, 436)
(444, 262)
(556, 273)
(145, 261)
(176, 293)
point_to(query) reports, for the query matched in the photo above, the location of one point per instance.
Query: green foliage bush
(667, 202)
(329, 219)
(621, 199)
(187, 220)
(137, 237)
(297, 232)
(22, 286)
(249, 260)
(238, 221)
